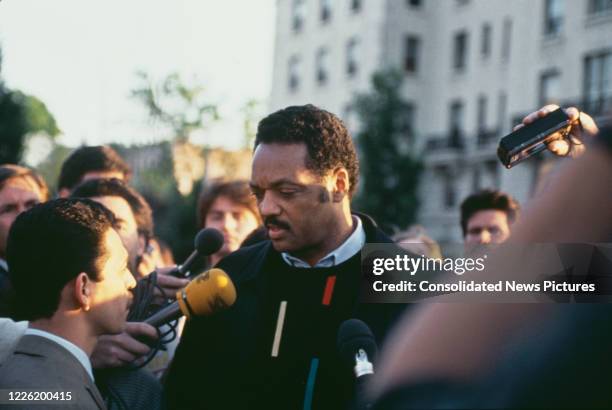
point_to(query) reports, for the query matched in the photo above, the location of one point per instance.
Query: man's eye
(287, 193)
(7, 209)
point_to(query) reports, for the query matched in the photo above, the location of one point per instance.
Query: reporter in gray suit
(69, 271)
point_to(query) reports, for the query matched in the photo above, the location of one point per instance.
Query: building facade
(472, 69)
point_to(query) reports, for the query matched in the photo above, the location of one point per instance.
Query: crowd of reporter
(79, 275)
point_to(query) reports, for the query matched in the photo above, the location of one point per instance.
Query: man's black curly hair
(326, 137)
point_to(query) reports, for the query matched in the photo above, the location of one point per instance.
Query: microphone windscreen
(354, 334)
(208, 293)
(208, 241)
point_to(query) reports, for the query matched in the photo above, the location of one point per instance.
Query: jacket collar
(42, 347)
(251, 266)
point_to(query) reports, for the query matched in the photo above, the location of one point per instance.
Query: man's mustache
(272, 220)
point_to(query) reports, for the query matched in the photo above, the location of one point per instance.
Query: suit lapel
(39, 346)
(95, 394)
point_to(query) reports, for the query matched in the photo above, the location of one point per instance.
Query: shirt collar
(3, 264)
(344, 252)
(76, 351)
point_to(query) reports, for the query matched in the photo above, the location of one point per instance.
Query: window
(491, 168)
(294, 73)
(414, 3)
(550, 87)
(449, 194)
(553, 17)
(485, 40)
(506, 39)
(298, 14)
(456, 125)
(405, 122)
(356, 6)
(598, 82)
(352, 51)
(411, 54)
(460, 51)
(325, 10)
(481, 120)
(502, 108)
(476, 178)
(322, 69)
(409, 120)
(600, 6)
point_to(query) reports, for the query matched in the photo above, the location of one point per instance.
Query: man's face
(19, 194)
(235, 221)
(486, 227)
(127, 229)
(293, 201)
(111, 296)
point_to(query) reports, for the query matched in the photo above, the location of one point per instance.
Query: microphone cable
(143, 306)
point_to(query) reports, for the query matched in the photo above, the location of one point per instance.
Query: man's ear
(342, 184)
(82, 291)
(142, 244)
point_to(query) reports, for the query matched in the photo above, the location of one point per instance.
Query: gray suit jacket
(41, 364)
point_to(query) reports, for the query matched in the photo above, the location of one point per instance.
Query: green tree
(13, 127)
(180, 106)
(252, 114)
(50, 167)
(20, 115)
(389, 168)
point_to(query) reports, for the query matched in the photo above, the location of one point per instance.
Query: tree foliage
(13, 127)
(252, 114)
(389, 167)
(174, 103)
(20, 115)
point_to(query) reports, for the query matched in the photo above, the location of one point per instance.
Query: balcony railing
(454, 141)
(487, 137)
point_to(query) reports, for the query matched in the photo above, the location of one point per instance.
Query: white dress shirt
(344, 252)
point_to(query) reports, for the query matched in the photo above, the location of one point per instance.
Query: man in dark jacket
(276, 347)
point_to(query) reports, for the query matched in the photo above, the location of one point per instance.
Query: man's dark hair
(48, 246)
(325, 136)
(115, 187)
(11, 171)
(486, 200)
(237, 191)
(90, 159)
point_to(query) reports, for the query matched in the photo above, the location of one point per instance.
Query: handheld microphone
(208, 293)
(358, 350)
(207, 242)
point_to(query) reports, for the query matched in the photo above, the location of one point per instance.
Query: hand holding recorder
(561, 131)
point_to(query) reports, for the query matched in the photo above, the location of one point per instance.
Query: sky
(80, 58)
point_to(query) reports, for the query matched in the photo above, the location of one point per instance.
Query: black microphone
(207, 242)
(208, 293)
(358, 350)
